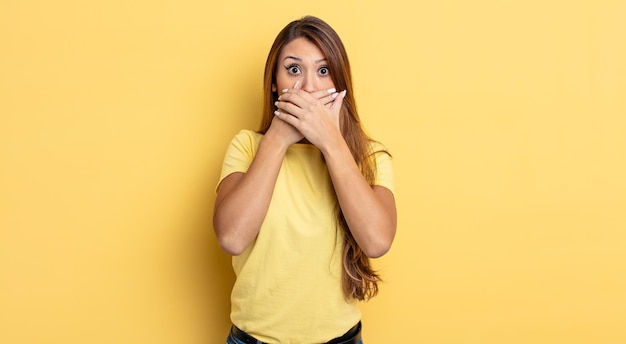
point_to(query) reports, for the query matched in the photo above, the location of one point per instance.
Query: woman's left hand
(315, 115)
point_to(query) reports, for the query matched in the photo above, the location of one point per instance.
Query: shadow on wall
(208, 267)
(209, 270)
(220, 279)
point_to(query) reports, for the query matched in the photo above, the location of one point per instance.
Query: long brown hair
(360, 281)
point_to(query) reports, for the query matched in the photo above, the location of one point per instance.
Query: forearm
(242, 203)
(370, 212)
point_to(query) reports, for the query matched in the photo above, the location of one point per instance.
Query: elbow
(378, 250)
(228, 240)
(230, 246)
(380, 244)
(378, 247)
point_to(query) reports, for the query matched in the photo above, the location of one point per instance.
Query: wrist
(332, 143)
(271, 140)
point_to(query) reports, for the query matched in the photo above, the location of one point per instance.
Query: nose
(309, 83)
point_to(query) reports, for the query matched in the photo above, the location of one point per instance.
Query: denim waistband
(351, 337)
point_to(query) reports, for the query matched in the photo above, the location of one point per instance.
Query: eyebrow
(299, 59)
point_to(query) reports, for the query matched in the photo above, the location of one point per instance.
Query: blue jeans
(232, 340)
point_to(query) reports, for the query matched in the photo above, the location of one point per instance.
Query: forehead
(303, 49)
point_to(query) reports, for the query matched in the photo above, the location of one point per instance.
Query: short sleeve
(240, 153)
(384, 170)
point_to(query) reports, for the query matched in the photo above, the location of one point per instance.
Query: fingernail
(276, 113)
(296, 84)
(331, 90)
(285, 90)
(276, 103)
(344, 92)
(334, 95)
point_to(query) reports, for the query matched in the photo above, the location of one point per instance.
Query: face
(302, 61)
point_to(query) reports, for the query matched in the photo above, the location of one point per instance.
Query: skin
(308, 110)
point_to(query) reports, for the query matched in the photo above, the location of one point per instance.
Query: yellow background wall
(506, 120)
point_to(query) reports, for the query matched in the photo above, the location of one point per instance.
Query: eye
(293, 69)
(324, 71)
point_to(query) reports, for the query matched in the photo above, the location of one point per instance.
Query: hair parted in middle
(360, 281)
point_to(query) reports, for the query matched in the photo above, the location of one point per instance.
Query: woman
(305, 202)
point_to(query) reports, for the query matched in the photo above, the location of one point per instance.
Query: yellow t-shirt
(288, 287)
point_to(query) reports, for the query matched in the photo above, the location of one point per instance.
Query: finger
(285, 107)
(327, 100)
(325, 96)
(293, 90)
(338, 101)
(285, 117)
(297, 97)
(323, 93)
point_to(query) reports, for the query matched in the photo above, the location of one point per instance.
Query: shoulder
(248, 135)
(376, 148)
(246, 139)
(381, 157)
